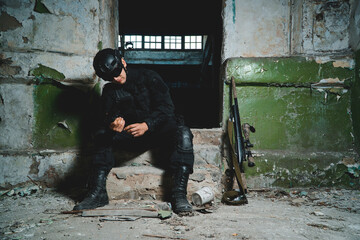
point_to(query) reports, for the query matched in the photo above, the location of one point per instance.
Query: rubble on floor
(270, 214)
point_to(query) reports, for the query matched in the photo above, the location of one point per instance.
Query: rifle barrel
(240, 150)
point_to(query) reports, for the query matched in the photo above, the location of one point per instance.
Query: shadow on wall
(65, 120)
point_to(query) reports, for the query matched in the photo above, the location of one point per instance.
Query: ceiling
(170, 16)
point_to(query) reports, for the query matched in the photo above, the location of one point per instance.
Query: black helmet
(107, 64)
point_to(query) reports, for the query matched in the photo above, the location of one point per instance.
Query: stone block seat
(139, 178)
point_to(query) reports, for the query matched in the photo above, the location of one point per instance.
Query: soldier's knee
(184, 139)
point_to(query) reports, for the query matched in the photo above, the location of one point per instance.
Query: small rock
(198, 177)
(317, 213)
(179, 228)
(120, 176)
(297, 201)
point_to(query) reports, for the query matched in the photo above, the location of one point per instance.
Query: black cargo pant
(175, 139)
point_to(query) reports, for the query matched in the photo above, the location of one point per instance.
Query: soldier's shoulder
(150, 74)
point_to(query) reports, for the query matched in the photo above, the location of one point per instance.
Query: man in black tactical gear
(137, 112)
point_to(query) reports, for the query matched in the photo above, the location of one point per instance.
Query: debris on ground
(270, 214)
(21, 191)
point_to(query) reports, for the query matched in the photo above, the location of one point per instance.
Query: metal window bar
(153, 42)
(193, 42)
(149, 42)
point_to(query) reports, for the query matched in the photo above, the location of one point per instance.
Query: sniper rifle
(240, 151)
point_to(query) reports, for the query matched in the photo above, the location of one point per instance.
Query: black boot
(180, 203)
(97, 196)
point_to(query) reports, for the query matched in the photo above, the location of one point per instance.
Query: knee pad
(184, 141)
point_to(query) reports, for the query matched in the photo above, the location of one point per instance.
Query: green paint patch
(40, 7)
(295, 119)
(100, 45)
(63, 117)
(305, 170)
(44, 74)
(97, 89)
(275, 96)
(294, 71)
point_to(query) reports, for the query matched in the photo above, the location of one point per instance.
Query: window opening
(193, 42)
(172, 42)
(162, 42)
(152, 42)
(133, 42)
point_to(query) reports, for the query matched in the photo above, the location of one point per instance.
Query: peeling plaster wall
(65, 39)
(255, 28)
(276, 28)
(325, 26)
(355, 26)
(55, 37)
(298, 82)
(47, 31)
(16, 113)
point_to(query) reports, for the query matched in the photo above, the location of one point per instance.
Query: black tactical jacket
(143, 98)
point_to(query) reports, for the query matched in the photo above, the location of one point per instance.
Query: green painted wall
(296, 119)
(309, 169)
(63, 117)
(292, 71)
(304, 134)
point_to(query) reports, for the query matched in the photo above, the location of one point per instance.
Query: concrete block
(207, 136)
(146, 182)
(46, 32)
(73, 67)
(14, 169)
(207, 154)
(46, 167)
(16, 116)
(325, 26)
(250, 34)
(204, 154)
(53, 167)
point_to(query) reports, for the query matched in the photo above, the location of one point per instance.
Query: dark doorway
(181, 40)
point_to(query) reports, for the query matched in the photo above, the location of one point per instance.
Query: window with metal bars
(133, 41)
(152, 42)
(173, 42)
(162, 42)
(193, 42)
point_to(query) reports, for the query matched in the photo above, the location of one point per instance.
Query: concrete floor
(270, 214)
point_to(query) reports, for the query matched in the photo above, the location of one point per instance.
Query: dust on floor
(270, 214)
